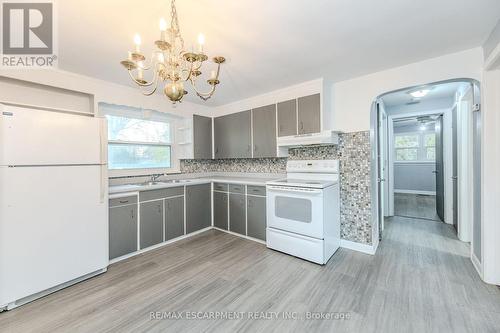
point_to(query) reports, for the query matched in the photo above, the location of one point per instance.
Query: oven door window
(295, 209)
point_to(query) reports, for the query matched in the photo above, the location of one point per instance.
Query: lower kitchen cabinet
(151, 230)
(220, 210)
(237, 214)
(122, 230)
(256, 217)
(174, 217)
(198, 207)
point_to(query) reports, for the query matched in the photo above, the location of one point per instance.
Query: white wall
(104, 91)
(272, 97)
(490, 175)
(353, 97)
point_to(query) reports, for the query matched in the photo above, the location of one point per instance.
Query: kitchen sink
(174, 181)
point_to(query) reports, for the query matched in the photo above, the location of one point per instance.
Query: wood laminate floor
(420, 280)
(415, 205)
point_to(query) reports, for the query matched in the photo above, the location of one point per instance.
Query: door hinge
(476, 107)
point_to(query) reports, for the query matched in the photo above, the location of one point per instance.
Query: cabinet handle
(255, 148)
(159, 209)
(250, 203)
(301, 126)
(132, 213)
(249, 148)
(123, 201)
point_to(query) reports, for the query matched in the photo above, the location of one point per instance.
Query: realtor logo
(28, 34)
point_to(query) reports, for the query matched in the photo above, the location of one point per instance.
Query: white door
(295, 210)
(38, 137)
(53, 227)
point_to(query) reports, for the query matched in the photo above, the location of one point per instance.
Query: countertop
(258, 181)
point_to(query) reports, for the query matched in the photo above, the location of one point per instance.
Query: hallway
(415, 205)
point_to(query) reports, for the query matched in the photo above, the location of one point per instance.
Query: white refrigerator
(53, 201)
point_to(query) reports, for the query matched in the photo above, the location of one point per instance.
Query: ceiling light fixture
(172, 63)
(419, 93)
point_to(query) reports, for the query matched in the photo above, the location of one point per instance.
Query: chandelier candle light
(171, 63)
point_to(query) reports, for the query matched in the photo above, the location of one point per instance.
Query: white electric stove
(303, 210)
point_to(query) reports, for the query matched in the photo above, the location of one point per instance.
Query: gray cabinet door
(122, 230)
(264, 131)
(202, 137)
(287, 118)
(198, 207)
(151, 230)
(237, 214)
(220, 210)
(256, 214)
(220, 137)
(232, 135)
(174, 217)
(309, 114)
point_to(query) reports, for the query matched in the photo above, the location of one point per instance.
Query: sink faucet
(154, 177)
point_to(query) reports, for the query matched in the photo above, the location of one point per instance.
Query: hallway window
(430, 146)
(415, 147)
(407, 147)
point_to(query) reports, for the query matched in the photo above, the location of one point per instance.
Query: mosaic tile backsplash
(353, 152)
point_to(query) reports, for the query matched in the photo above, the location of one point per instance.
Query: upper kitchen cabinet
(309, 114)
(287, 118)
(202, 137)
(264, 131)
(232, 135)
(300, 116)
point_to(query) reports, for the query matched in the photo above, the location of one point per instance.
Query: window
(407, 147)
(415, 146)
(430, 146)
(138, 143)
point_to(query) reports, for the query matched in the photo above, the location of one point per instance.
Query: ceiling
(445, 90)
(273, 44)
(413, 122)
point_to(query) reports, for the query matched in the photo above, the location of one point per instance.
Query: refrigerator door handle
(102, 186)
(103, 140)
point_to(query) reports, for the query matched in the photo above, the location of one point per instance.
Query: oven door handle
(291, 189)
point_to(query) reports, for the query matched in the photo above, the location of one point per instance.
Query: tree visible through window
(138, 144)
(415, 146)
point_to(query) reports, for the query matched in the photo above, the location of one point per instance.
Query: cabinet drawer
(220, 187)
(161, 193)
(237, 188)
(131, 200)
(256, 190)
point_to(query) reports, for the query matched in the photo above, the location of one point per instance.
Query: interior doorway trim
(374, 156)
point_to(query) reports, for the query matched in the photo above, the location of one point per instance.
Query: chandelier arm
(155, 81)
(139, 83)
(202, 95)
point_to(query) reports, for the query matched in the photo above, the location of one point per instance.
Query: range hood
(324, 138)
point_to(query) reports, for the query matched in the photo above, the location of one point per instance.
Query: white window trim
(174, 159)
(421, 147)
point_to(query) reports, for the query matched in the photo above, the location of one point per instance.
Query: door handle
(435, 171)
(380, 180)
(454, 177)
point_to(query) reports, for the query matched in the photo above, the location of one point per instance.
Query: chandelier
(171, 63)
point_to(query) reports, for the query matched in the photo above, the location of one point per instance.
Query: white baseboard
(415, 192)
(364, 248)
